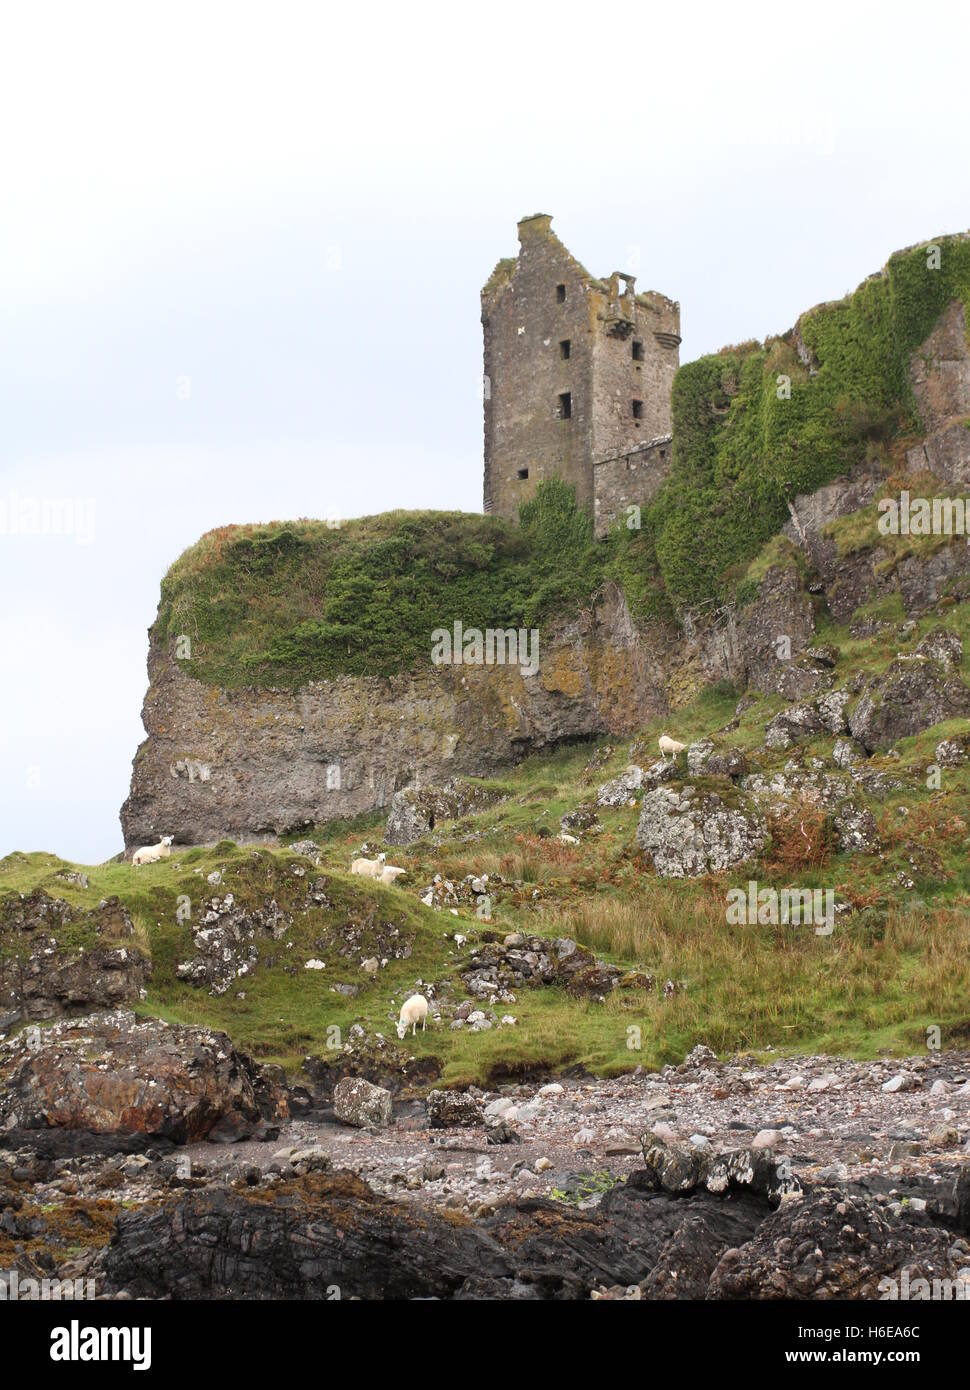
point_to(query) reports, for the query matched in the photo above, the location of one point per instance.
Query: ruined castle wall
(620, 377)
(525, 322)
(629, 479)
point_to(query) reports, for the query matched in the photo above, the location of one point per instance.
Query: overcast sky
(241, 248)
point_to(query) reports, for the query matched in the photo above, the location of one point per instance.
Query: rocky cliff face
(247, 763)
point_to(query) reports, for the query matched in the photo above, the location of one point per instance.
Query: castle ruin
(578, 376)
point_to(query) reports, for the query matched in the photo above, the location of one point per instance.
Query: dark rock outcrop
(327, 1235)
(832, 1244)
(916, 692)
(44, 977)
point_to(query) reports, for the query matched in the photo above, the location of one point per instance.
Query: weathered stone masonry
(578, 376)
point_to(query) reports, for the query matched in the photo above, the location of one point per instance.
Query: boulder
(943, 647)
(453, 1110)
(825, 656)
(663, 770)
(854, 825)
(360, 1103)
(619, 791)
(847, 753)
(581, 817)
(779, 791)
(831, 709)
(112, 1073)
(308, 848)
(688, 834)
(673, 1167)
(800, 681)
(790, 725)
(680, 1168)
(727, 762)
(697, 756)
(836, 1245)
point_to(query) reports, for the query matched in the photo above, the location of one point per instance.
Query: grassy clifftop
(295, 601)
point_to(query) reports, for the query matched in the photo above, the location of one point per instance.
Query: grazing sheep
(150, 854)
(390, 873)
(413, 1011)
(670, 745)
(370, 868)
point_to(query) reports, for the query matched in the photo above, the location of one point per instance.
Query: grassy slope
(896, 965)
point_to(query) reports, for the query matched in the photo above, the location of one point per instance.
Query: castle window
(637, 352)
(561, 294)
(523, 473)
(638, 410)
(566, 406)
(564, 349)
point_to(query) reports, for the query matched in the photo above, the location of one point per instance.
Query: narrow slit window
(637, 352)
(566, 406)
(564, 349)
(560, 294)
(638, 410)
(523, 473)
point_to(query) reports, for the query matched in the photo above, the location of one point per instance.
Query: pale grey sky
(294, 206)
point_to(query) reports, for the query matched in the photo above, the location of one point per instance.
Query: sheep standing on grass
(413, 1012)
(390, 873)
(369, 868)
(669, 745)
(150, 854)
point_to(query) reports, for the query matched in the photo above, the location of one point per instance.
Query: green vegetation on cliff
(743, 447)
(296, 601)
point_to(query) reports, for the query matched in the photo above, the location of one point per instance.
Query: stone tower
(578, 375)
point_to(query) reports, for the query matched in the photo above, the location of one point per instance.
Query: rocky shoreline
(807, 1177)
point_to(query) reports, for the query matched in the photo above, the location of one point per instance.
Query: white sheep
(390, 873)
(370, 868)
(413, 1012)
(150, 854)
(669, 745)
